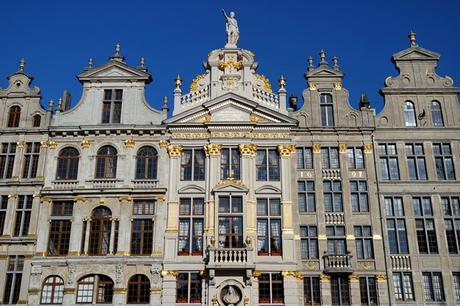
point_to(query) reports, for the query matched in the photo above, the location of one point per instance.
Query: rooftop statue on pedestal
(233, 32)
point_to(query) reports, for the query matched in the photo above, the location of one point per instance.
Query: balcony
(65, 184)
(145, 184)
(230, 257)
(400, 262)
(334, 218)
(337, 263)
(331, 174)
(103, 183)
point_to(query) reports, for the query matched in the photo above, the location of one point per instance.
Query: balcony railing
(65, 184)
(331, 174)
(337, 263)
(145, 184)
(103, 183)
(230, 256)
(400, 262)
(334, 218)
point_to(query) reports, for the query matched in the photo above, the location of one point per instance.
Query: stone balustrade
(400, 262)
(145, 184)
(331, 174)
(265, 97)
(200, 95)
(337, 263)
(103, 183)
(65, 184)
(231, 257)
(334, 218)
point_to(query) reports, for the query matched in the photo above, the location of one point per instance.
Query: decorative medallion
(194, 85)
(231, 295)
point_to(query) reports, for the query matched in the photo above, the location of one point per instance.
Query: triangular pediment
(416, 53)
(228, 109)
(114, 70)
(324, 71)
(230, 185)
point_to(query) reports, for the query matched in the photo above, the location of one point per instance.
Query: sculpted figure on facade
(233, 32)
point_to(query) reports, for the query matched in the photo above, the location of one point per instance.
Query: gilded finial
(22, 64)
(282, 82)
(310, 62)
(322, 56)
(413, 41)
(178, 82)
(336, 62)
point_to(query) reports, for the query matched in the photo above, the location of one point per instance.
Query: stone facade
(238, 198)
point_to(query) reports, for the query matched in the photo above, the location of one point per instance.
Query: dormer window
(14, 116)
(111, 106)
(436, 114)
(37, 120)
(409, 114)
(327, 110)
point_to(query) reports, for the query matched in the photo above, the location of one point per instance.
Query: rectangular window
(60, 228)
(444, 161)
(306, 192)
(403, 286)
(142, 227)
(304, 158)
(388, 162)
(451, 208)
(330, 158)
(8, 152)
(336, 242)
(111, 105)
(271, 288)
(333, 196)
(327, 110)
(311, 291)
(188, 288)
(359, 197)
(396, 227)
(31, 156)
(230, 222)
(191, 226)
(267, 165)
(416, 162)
(368, 291)
(425, 229)
(433, 287)
(268, 227)
(3, 212)
(456, 285)
(309, 242)
(363, 240)
(355, 158)
(13, 279)
(192, 165)
(23, 211)
(230, 163)
(340, 290)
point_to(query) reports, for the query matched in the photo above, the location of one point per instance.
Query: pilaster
(43, 226)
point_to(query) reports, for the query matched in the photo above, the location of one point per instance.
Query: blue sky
(57, 37)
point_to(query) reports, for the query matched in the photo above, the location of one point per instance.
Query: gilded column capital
(295, 274)
(164, 143)
(325, 278)
(212, 149)
(174, 150)
(343, 148)
(381, 277)
(367, 147)
(316, 148)
(286, 150)
(354, 277)
(85, 144)
(129, 143)
(169, 272)
(248, 150)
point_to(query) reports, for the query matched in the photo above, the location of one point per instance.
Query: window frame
(306, 196)
(355, 162)
(111, 107)
(310, 241)
(99, 224)
(330, 158)
(138, 283)
(146, 164)
(416, 159)
(13, 279)
(436, 114)
(67, 164)
(334, 194)
(7, 157)
(305, 158)
(3, 212)
(427, 241)
(430, 286)
(95, 284)
(343, 290)
(410, 117)
(326, 104)
(106, 162)
(23, 215)
(270, 218)
(401, 288)
(145, 236)
(311, 291)
(268, 169)
(197, 170)
(232, 217)
(451, 213)
(389, 162)
(442, 173)
(194, 243)
(14, 116)
(359, 194)
(190, 283)
(232, 167)
(63, 219)
(56, 288)
(364, 242)
(272, 294)
(31, 158)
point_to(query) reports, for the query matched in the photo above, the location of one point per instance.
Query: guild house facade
(239, 197)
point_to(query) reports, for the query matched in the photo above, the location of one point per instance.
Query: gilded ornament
(85, 144)
(367, 148)
(354, 277)
(343, 148)
(286, 150)
(52, 144)
(263, 78)
(311, 265)
(160, 198)
(295, 274)
(164, 143)
(316, 148)
(126, 198)
(194, 85)
(44, 143)
(325, 277)
(256, 274)
(169, 272)
(246, 301)
(248, 150)
(20, 144)
(174, 150)
(381, 277)
(101, 200)
(129, 143)
(212, 149)
(230, 64)
(338, 86)
(312, 86)
(254, 118)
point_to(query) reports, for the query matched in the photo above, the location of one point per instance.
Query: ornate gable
(115, 70)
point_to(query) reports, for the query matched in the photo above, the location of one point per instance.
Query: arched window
(327, 110)
(106, 162)
(138, 290)
(67, 164)
(14, 116)
(146, 163)
(409, 114)
(436, 113)
(95, 288)
(52, 290)
(37, 120)
(100, 228)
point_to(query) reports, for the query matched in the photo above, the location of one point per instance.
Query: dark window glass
(111, 106)
(333, 196)
(188, 288)
(327, 110)
(330, 158)
(416, 161)
(436, 114)
(388, 162)
(191, 226)
(306, 195)
(146, 163)
(311, 291)
(230, 163)
(271, 288)
(359, 196)
(3, 212)
(67, 164)
(37, 120)
(304, 158)
(138, 290)
(309, 242)
(192, 165)
(368, 291)
(31, 156)
(100, 227)
(443, 161)
(7, 154)
(363, 240)
(14, 116)
(355, 158)
(106, 162)
(23, 213)
(267, 165)
(433, 286)
(230, 222)
(268, 227)
(340, 290)
(13, 279)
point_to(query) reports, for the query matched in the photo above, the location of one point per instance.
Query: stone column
(34, 214)
(291, 291)
(382, 289)
(212, 151)
(325, 285)
(119, 296)
(172, 224)
(76, 233)
(169, 287)
(86, 242)
(69, 296)
(285, 151)
(8, 228)
(43, 224)
(112, 235)
(124, 225)
(355, 294)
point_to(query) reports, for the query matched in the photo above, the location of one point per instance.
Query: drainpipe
(381, 219)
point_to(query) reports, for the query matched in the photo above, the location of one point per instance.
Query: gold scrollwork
(194, 85)
(381, 277)
(164, 143)
(354, 277)
(286, 150)
(52, 144)
(126, 198)
(174, 150)
(44, 143)
(248, 150)
(169, 272)
(212, 149)
(20, 144)
(312, 86)
(325, 277)
(254, 118)
(338, 86)
(85, 144)
(129, 143)
(295, 274)
(160, 198)
(263, 78)
(256, 274)
(231, 64)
